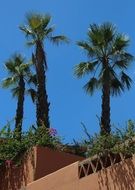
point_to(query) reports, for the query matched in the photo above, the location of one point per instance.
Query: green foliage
(17, 67)
(38, 28)
(44, 137)
(119, 141)
(108, 59)
(13, 150)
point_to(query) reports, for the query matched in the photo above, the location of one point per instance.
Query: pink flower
(8, 163)
(52, 131)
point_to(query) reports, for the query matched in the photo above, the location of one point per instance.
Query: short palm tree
(37, 31)
(19, 72)
(108, 60)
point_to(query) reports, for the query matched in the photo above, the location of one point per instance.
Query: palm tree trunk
(42, 111)
(105, 116)
(19, 111)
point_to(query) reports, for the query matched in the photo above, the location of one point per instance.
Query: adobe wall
(63, 179)
(40, 162)
(121, 176)
(14, 177)
(49, 161)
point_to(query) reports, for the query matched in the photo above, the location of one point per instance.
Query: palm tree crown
(108, 61)
(37, 30)
(16, 68)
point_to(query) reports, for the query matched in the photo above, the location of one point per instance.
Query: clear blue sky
(70, 105)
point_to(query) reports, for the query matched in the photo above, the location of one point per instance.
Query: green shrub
(12, 150)
(119, 141)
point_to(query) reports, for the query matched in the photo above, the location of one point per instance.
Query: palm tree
(37, 31)
(18, 72)
(107, 62)
(31, 81)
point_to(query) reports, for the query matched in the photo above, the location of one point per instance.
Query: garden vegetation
(107, 70)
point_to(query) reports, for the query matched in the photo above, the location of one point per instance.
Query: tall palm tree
(38, 30)
(108, 60)
(18, 72)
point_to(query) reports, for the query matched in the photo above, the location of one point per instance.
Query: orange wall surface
(121, 176)
(40, 162)
(14, 177)
(49, 160)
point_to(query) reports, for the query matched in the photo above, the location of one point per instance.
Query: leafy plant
(12, 149)
(118, 141)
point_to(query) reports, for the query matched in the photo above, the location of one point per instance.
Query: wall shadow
(120, 176)
(15, 177)
(49, 161)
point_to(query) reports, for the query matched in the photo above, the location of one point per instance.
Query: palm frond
(95, 35)
(32, 79)
(34, 20)
(48, 32)
(10, 66)
(9, 82)
(33, 94)
(15, 91)
(84, 68)
(31, 43)
(91, 85)
(122, 60)
(90, 51)
(126, 80)
(26, 30)
(127, 57)
(45, 20)
(24, 69)
(38, 23)
(14, 63)
(120, 43)
(116, 87)
(107, 74)
(59, 39)
(108, 31)
(121, 64)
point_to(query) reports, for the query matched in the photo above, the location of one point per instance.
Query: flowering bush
(8, 163)
(52, 132)
(47, 137)
(11, 150)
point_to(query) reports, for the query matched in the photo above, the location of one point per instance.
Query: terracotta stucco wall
(121, 176)
(14, 177)
(40, 162)
(49, 161)
(63, 179)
